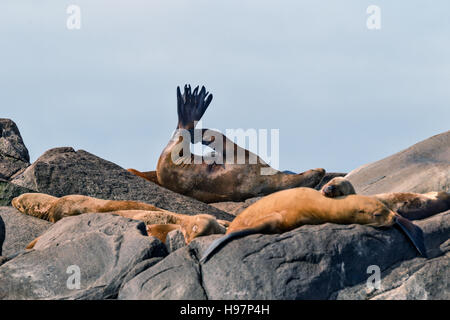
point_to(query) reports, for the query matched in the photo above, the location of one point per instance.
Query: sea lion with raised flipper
(412, 206)
(239, 175)
(288, 209)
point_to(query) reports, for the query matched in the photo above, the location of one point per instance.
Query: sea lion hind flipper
(413, 233)
(191, 106)
(218, 243)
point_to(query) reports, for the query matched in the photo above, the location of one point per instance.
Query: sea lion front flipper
(191, 106)
(414, 234)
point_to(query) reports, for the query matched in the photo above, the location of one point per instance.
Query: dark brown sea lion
(412, 206)
(288, 209)
(232, 174)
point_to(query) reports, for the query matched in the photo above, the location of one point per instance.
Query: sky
(340, 94)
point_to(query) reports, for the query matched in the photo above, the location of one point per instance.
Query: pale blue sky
(340, 94)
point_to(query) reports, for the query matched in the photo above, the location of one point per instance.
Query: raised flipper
(191, 106)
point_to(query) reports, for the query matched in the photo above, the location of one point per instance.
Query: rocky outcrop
(14, 155)
(311, 262)
(9, 191)
(64, 171)
(424, 167)
(19, 229)
(81, 257)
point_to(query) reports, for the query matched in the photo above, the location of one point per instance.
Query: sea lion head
(34, 204)
(201, 225)
(337, 187)
(370, 211)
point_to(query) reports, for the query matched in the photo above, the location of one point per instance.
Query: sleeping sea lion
(236, 177)
(288, 209)
(412, 206)
(53, 209)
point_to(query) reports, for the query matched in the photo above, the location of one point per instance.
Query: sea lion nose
(330, 189)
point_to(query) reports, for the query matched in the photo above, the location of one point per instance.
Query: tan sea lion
(53, 209)
(288, 209)
(191, 226)
(160, 231)
(412, 206)
(215, 180)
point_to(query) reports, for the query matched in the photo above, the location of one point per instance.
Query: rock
(415, 279)
(20, 230)
(13, 152)
(9, 191)
(310, 262)
(175, 240)
(2, 234)
(176, 277)
(64, 171)
(424, 167)
(234, 208)
(103, 247)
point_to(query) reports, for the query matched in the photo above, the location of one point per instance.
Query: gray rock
(235, 208)
(13, 152)
(2, 234)
(20, 230)
(64, 171)
(175, 240)
(424, 167)
(103, 247)
(415, 279)
(311, 262)
(176, 277)
(9, 191)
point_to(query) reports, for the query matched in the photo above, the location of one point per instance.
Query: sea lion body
(410, 205)
(289, 209)
(240, 174)
(53, 209)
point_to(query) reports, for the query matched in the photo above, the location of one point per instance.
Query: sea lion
(236, 177)
(412, 206)
(288, 209)
(160, 231)
(53, 209)
(191, 226)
